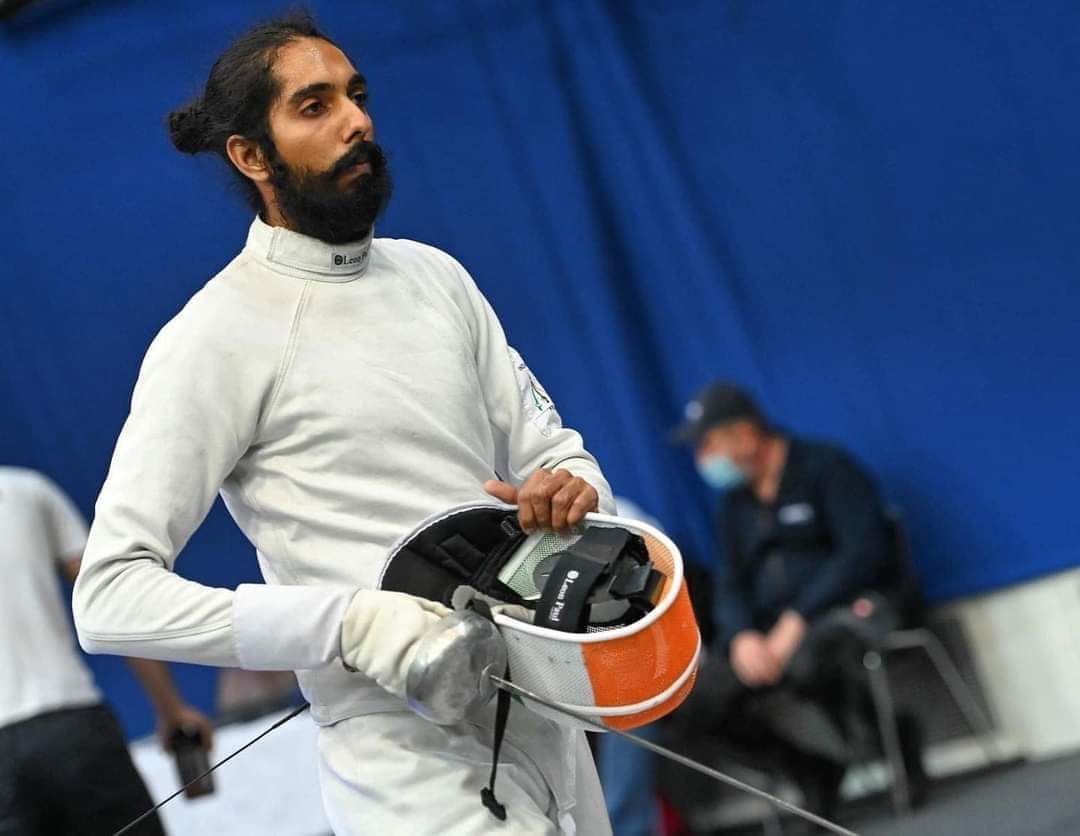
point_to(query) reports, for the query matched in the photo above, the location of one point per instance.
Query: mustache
(362, 152)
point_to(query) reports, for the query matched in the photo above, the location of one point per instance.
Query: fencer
(336, 389)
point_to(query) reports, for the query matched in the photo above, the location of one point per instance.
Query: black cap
(713, 406)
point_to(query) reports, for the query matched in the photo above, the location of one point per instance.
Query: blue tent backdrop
(861, 211)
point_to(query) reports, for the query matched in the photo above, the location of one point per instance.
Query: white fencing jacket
(336, 396)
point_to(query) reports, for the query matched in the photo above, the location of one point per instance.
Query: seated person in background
(802, 587)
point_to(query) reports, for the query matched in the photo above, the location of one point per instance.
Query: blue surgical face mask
(720, 472)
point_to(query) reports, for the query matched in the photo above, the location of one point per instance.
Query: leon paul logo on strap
(560, 597)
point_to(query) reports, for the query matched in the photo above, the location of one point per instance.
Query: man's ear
(248, 158)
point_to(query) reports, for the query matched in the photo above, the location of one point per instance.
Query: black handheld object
(191, 761)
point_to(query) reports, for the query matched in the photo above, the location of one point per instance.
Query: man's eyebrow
(310, 90)
(322, 87)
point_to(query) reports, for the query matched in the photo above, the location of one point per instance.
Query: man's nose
(357, 124)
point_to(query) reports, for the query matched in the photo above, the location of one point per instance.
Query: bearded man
(337, 389)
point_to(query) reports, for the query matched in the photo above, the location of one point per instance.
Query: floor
(1039, 799)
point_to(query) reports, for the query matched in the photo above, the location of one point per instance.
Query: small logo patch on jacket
(796, 514)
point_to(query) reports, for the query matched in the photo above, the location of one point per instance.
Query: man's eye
(360, 99)
(312, 109)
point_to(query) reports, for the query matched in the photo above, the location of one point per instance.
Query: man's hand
(552, 501)
(752, 660)
(185, 717)
(172, 712)
(785, 637)
(380, 634)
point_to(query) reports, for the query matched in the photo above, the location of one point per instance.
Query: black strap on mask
(465, 548)
(603, 580)
(502, 714)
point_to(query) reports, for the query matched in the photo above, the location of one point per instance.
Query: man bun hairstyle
(188, 129)
(238, 95)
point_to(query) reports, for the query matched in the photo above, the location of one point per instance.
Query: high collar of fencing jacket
(305, 257)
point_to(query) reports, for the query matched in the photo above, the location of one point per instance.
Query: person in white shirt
(337, 389)
(64, 764)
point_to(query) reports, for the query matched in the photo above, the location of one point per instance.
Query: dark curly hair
(239, 93)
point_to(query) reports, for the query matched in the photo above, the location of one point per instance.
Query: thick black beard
(314, 202)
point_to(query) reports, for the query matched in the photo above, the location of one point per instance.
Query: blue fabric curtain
(864, 212)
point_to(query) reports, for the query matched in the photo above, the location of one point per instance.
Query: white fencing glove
(380, 633)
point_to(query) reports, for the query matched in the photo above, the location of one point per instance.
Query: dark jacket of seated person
(818, 543)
